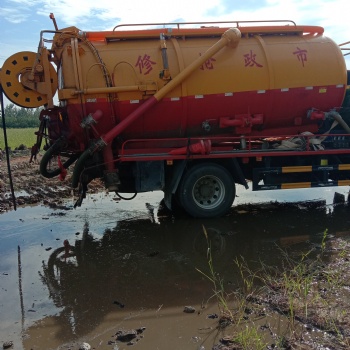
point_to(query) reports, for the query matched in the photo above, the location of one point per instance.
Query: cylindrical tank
(277, 73)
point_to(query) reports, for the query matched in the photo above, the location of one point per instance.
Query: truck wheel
(207, 190)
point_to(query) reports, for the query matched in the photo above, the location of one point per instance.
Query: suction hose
(79, 167)
(52, 151)
(337, 117)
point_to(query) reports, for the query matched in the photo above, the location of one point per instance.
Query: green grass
(16, 137)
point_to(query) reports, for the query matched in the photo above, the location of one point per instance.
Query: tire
(207, 190)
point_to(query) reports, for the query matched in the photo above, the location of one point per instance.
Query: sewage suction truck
(190, 109)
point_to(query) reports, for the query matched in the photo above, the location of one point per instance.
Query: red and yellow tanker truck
(190, 109)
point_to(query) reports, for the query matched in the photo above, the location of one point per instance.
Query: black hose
(79, 167)
(55, 148)
(6, 147)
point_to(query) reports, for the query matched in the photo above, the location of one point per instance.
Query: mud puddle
(133, 268)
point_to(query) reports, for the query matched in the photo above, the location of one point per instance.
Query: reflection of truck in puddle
(190, 110)
(141, 264)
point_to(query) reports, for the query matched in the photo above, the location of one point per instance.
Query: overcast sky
(22, 20)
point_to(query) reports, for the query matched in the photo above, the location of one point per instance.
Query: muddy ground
(31, 188)
(301, 302)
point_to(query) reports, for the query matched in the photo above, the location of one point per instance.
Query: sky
(22, 20)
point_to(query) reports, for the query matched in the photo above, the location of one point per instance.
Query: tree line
(19, 117)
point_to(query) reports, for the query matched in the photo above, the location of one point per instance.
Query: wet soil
(30, 187)
(133, 275)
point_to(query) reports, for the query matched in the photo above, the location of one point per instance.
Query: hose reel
(16, 72)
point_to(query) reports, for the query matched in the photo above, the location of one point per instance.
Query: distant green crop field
(16, 137)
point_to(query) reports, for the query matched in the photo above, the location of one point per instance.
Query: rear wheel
(207, 190)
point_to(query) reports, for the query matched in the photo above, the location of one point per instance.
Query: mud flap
(172, 185)
(238, 173)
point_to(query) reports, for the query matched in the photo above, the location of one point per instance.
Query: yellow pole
(231, 38)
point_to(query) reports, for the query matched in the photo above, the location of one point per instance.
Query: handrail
(225, 141)
(178, 24)
(209, 31)
(345, 48)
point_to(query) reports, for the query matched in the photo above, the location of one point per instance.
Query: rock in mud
(85, 346)
(140, 330)
(7, 345)
(121, 305)
(227, 343)
(189, 309)
(126, 336)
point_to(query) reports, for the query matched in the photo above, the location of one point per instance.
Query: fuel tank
(264, 86)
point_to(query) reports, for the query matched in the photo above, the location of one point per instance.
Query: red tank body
(265, 86)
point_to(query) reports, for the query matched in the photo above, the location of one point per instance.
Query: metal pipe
(52, 16)
(165, 73)
(231, 37)
(110, 90)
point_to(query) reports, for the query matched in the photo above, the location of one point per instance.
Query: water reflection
(140, 257)
(153, 261)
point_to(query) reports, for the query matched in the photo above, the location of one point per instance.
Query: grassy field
(16, 137)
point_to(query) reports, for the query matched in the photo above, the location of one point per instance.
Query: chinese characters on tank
(145, 64)
(208, 64)
(250, 60)
(301, 54)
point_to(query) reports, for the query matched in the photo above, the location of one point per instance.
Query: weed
(248, 277)
(323, 242)
(245, 334)
(301, 293)
(216, 280)
(249, 338)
